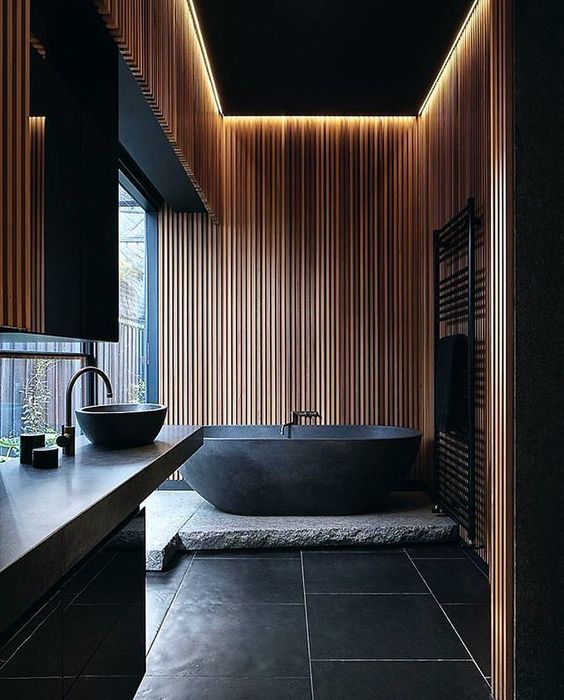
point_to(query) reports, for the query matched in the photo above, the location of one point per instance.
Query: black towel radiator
(454, 312)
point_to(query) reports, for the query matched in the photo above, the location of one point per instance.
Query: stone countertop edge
(114, 483)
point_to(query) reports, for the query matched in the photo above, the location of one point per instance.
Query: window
(33, 379)
(126, 362)
(34, 373)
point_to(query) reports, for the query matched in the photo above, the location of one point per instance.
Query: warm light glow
(324, 117)
(449, 54)
(328, 117)
(205, 55)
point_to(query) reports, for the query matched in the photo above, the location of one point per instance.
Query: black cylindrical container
(29, 442)
(46, 457)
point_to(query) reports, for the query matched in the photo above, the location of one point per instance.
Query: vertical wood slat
(15, 233)
(37, 214)
(500, 383)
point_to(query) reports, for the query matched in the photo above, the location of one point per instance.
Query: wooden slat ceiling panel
(160, 43)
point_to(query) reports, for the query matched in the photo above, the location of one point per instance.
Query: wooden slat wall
(307, 295)
(315, 289)
(454, 143)
(159, 40)
(464, 150)
(15, 232)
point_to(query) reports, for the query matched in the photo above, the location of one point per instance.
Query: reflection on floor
(356, 624)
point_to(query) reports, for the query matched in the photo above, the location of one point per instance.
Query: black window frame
(86, 354)
(132, 178)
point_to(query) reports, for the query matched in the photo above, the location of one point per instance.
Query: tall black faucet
(66, 439)
(295, 417)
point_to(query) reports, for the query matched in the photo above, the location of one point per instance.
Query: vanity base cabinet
(87, 640)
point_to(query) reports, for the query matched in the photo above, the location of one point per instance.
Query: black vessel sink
(121, 425)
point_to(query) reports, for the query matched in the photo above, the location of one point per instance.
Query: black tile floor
(355, 624)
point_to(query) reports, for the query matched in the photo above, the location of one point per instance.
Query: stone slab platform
(166, 512)
(406, 518)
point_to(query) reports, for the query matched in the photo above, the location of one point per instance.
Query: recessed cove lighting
(215, 92)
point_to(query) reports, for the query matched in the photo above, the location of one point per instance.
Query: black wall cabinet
(74, 85)
(88, 639)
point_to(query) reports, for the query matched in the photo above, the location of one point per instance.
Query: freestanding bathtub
(316, 470)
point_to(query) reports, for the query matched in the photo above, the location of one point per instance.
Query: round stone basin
(121, 425)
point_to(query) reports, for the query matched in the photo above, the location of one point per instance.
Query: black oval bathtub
(319, 470)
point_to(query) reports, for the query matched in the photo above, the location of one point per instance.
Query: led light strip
(325, 117)
(447, 59)
(205, 56)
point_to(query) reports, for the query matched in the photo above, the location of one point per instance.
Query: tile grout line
(219, 557)
(463, 558)
(450, 605)
(227, 678)
(395, 660)
(448, 619)
(338, 593)
(362, 550)
(170, 605)
(235, 604)
(183, 577)
(307, 626)
(476, 565)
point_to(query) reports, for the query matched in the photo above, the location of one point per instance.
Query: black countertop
(50, 519)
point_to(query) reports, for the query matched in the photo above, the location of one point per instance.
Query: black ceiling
(327, 56)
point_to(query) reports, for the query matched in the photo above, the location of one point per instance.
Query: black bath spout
(295, 418)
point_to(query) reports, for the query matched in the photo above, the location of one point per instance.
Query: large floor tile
(243, 581)
(398, 680)
(163, 688)
(380, 627)
(454, 580)
(348, 572)
(472, 623)
(96, 688)
(256, 641)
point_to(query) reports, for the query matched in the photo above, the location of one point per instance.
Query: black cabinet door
(74, 85)
(31, 659)
(104, 619)
(87, 642)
